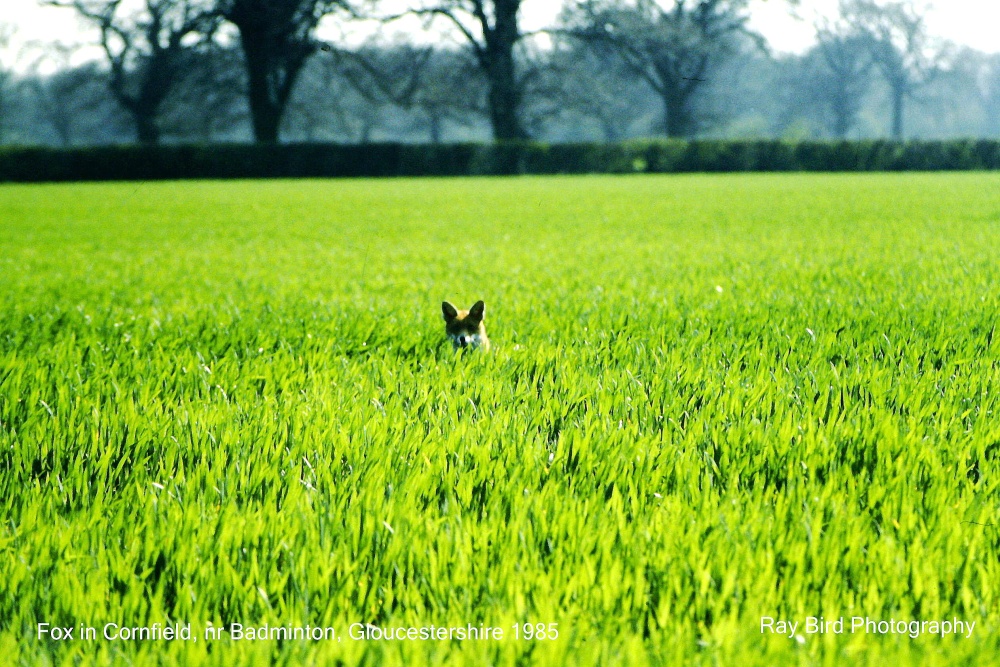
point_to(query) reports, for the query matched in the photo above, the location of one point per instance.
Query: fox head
(465, 328)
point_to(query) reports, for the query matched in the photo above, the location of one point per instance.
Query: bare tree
(601, 92)
(318, 107)
(844, 80)
(452, 91)
(389, 74)
(326, 104)
(144, 50)
(209, 100)
(673, 46)
(440, 85)
(277, 38)
(70, 99)
(492, 30)
(901, 49)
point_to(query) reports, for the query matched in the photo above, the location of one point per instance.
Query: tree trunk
(841, 125)
(435, 127)
(843, 117)
(898, 102)
(62, 123)
(505, 105)
(609, 129)
(504, 91)
(265, 108)
(143, 114)
(146, 128)
(367, 127)
(677, 116)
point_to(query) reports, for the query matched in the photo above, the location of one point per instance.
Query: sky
(974, 23)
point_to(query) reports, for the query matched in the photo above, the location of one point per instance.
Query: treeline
(232, 71)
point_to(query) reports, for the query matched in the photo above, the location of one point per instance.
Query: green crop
(711, 399)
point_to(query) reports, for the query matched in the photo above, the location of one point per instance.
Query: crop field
(711, 400)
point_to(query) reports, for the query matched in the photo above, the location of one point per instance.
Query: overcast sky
(975, 23)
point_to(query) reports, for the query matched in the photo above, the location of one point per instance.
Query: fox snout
(465, 328)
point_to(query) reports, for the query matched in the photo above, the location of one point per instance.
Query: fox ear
(449, 311)
(478, 311)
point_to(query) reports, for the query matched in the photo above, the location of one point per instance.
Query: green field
(711, 399)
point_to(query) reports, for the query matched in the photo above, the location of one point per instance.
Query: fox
(465, 328)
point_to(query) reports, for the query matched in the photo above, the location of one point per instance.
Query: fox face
(465, 328)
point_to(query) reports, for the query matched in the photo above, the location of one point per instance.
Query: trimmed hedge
(334, 160)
